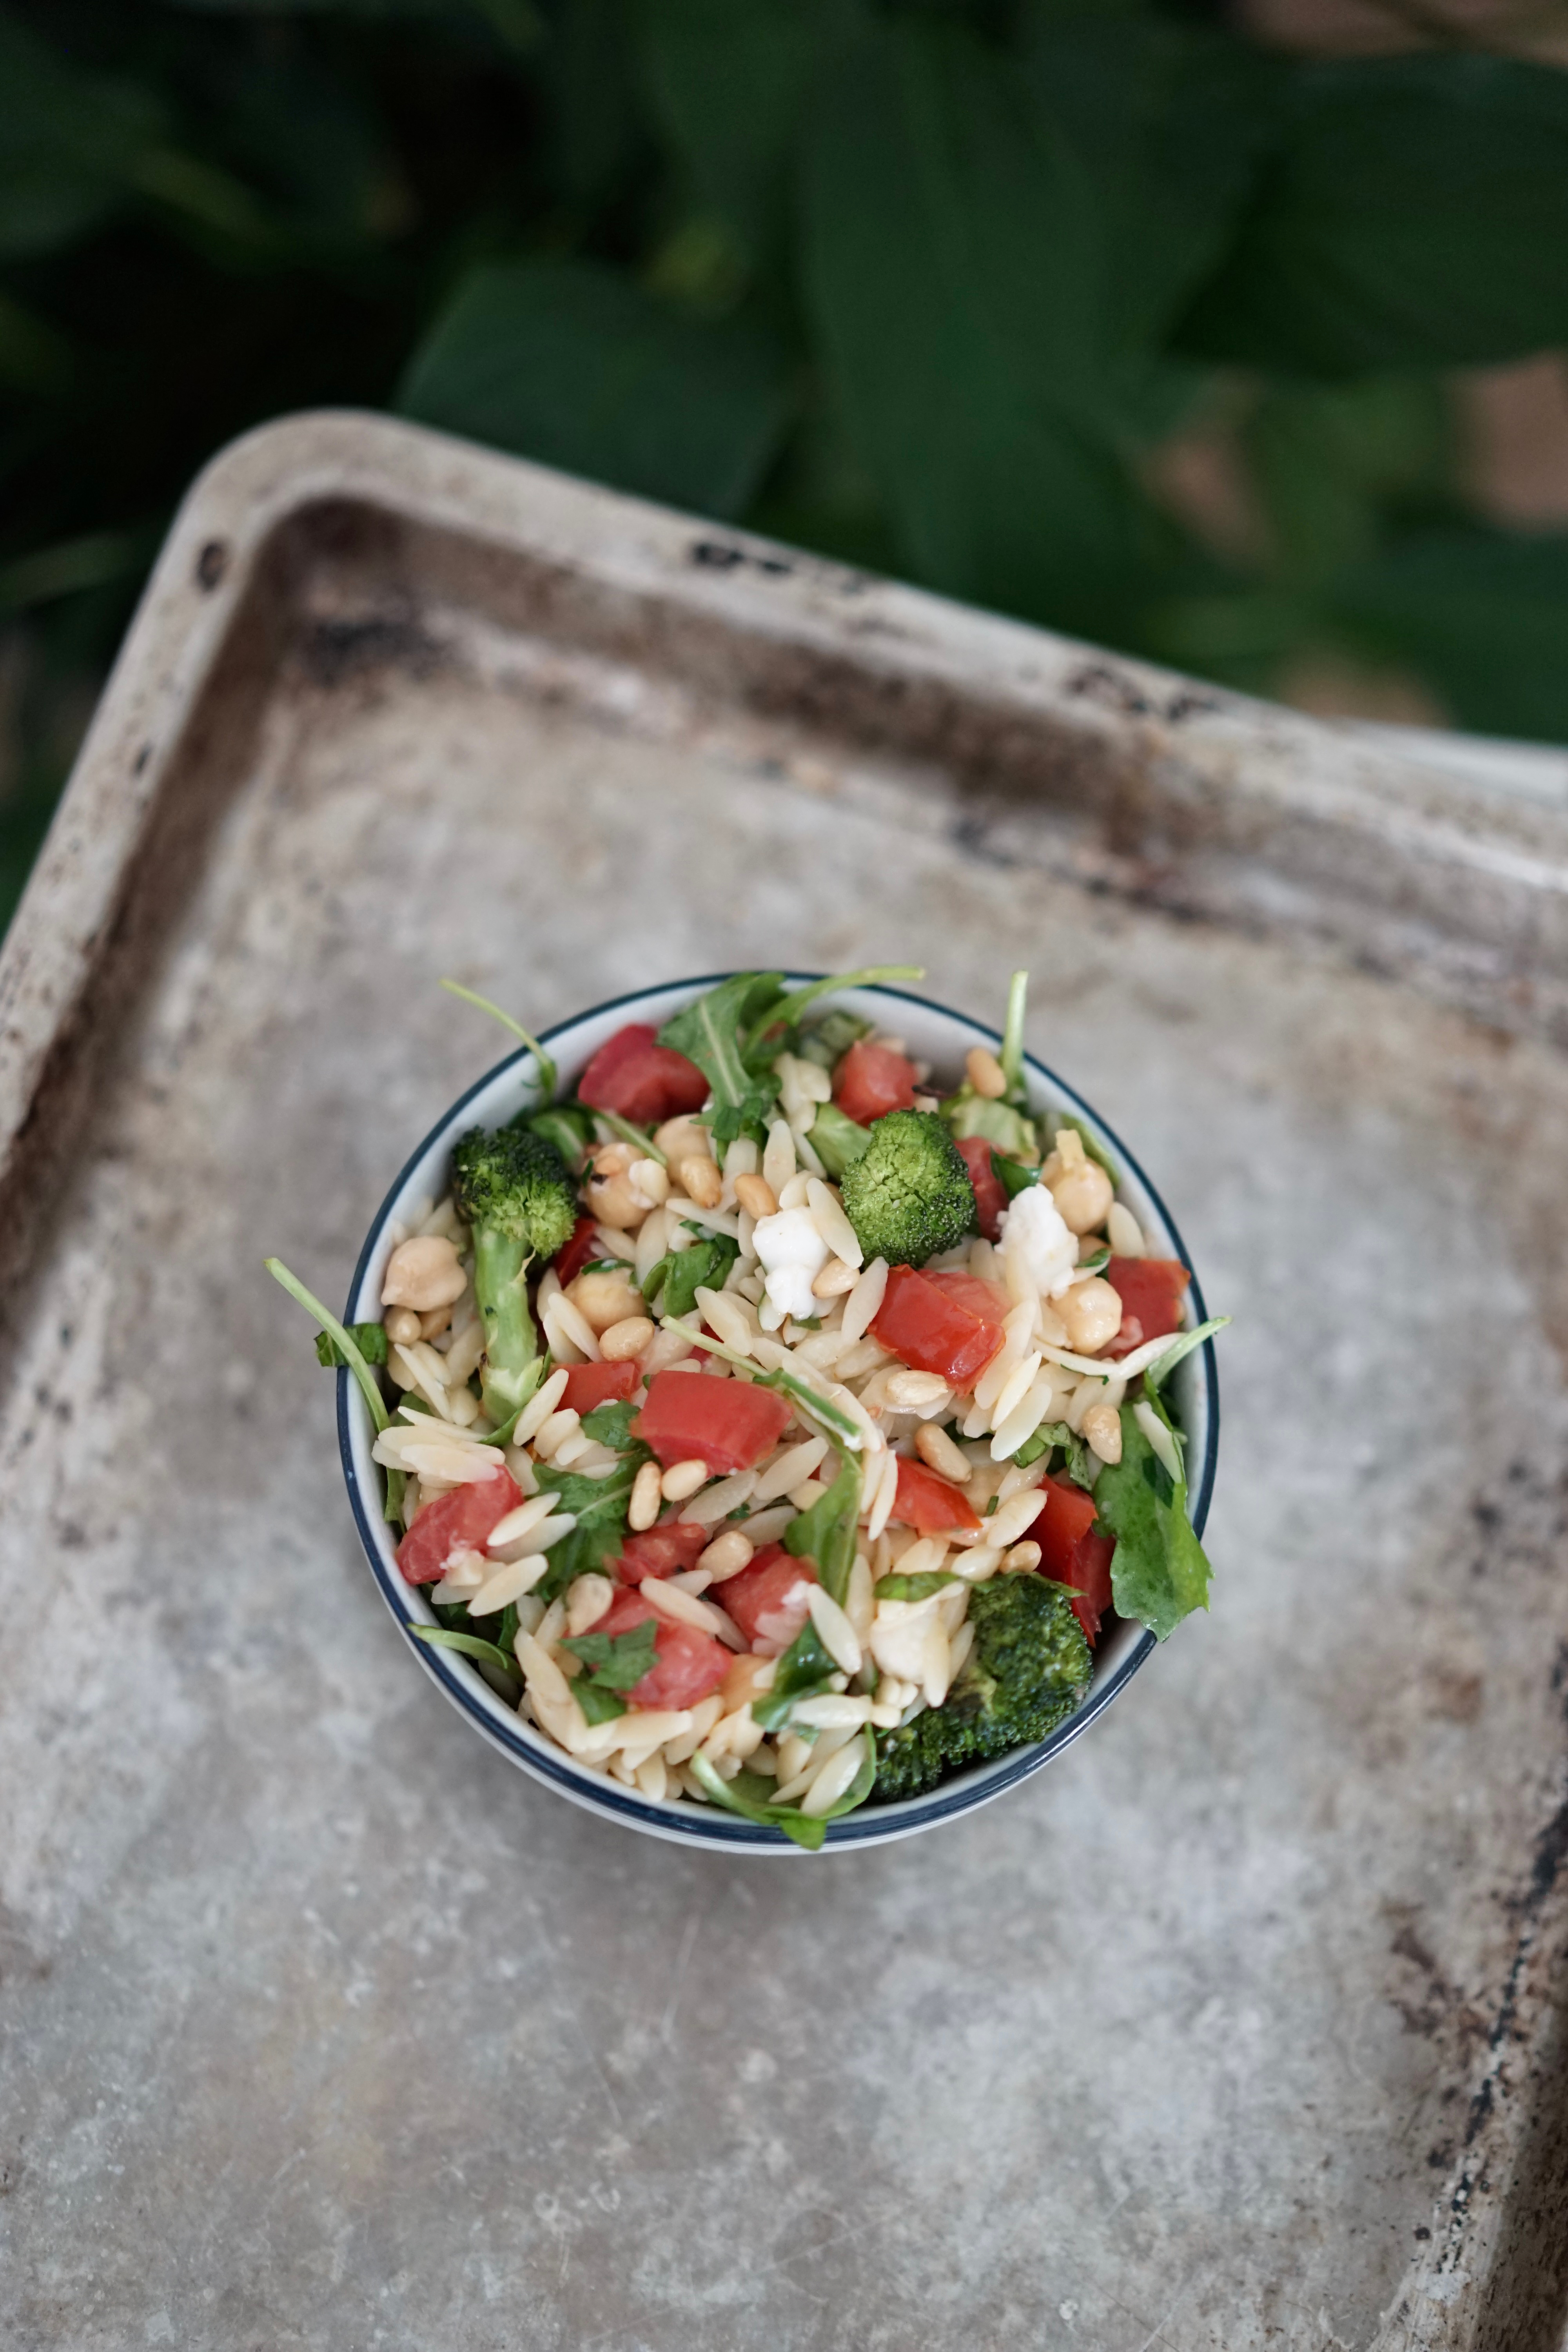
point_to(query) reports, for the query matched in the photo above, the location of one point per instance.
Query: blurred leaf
(1483, 615)
(594, 126)
(1333, 462)
(90, 561)
(69, 145)
(728, 78)
(953, 270)
(1169, 119)
(575, 365)
(1417, 215)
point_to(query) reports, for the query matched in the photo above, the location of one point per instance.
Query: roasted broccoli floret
(908, 1195)
(1027, 1668)
(514, 1190)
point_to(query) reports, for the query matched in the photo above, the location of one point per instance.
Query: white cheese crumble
(792, 1253)
(1035, 1232)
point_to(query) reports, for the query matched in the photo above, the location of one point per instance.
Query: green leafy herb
(1050, 1434)
(1158, 1571)
(369, 1387)
(370, 1338)
(393, 1507)
(673, 1284)
(748, 1795)
(544, 1068)
(804, 1671)
(1012, 1174)
(636, 1135)
(838, 1140)
(611, 1425)
(1012, 1055)
(596, 1703)
(472, 1646)
(826, 1042)
(711, 1033)
(599, 1505)
(567, 1126)
(825, 1532)
(915, 1588)
(1094, 1260)
(616, 1662)
(1159, 1371)
(791, 1004)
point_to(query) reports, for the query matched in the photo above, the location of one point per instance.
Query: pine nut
(836, 1279)
(625, 1338)
(756, 1195)
(1023, 1555)
(915, 1391)
(1102, 1430)
(403, 1326)
(643, 1508)
(986, 1073)
(682, 1479)
(727, 1555)
(938, 1452)
(702, 1181)
(439, 1319)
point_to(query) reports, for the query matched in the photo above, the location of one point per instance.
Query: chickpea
(605, 1298)
(1092, 1315)
(623, 1340)
(1102, 1430)
(1083, 1195)
(422, 1273)
(613, 1198)
(683, 1138)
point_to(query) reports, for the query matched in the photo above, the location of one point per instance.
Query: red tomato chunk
(928, 1503)
(688, 1662)
(1071, 1551)
(946, 1323)
(872, 1080)
(570, 1260)
(640, 1079)
(588, 1385)
(729, 1424)
(770, 1599)
(460, 1521)
(1151, 1290)
(990, 1193)
(663, 1551)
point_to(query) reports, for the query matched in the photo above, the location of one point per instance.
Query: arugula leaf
(711, 1033)
(502, 1437)
(600, 1508)
(825, 1532)
(1096, 1259)
(544, 1071)
(611, 1425)
(488, 1653)
(793, 1003)
(802, 1672)
(629, 1133)
(370, 1338)
(594, 1702)
(914, 1587)
(1159, 1372)
(369, 1387)
(746, 1794)
(1012, 1174)
(680, 1273)
(1052, 1433)
(567, 1126)
(838, 1140)
(616, 1662)
(1158, 1571)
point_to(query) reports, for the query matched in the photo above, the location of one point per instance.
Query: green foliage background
(922, 286)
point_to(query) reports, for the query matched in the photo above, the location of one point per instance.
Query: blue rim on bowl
(494, 1097)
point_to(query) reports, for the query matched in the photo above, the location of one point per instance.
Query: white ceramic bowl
(933, 1034)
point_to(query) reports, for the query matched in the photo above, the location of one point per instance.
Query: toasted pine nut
(439, 1319)
(682, 1136)
(836, 1279)
(1023, 1555)
(757, 1195)
(422, 1273)
(402, 1326)
(702, 1181)
(681, 1479)
(1102, 1426)
(643, 1508)
(986, 1074)
(938, 1452)
(915, 1391)
(625, 1338)
(727, 1555)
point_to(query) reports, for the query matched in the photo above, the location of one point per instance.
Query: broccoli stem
(514, 1360)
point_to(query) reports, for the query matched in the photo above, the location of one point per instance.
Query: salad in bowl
(777, 1409)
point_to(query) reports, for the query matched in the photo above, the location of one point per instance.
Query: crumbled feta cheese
(1034, 1230)
(792, 1253)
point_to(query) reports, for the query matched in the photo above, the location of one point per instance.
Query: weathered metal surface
(323, 2026)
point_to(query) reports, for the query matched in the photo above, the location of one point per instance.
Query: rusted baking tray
(324, 2027)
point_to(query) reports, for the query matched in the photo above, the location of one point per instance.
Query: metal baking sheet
(1234, 2029)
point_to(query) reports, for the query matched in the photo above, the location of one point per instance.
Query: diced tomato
(458, 1521)
(662, 1552)
(1071, 1551)
(990, 1193)
(644, 1081)
(936, 1326)
(573, 1256)
(988, 1300)
(588, 1385)
(688, 1662)
(1151, 1290)
(929, 1503)
(770, 1599)
(872, 1080)
(729, 1424)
